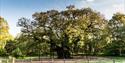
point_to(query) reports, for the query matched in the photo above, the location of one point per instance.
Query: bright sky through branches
(90, 0)
(12, 10)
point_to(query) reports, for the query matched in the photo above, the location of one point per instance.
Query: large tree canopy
(66, 31)
(70, 32)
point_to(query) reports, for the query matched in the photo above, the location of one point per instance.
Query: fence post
(30, 60)
(7, 61)
(64, 60)
(113, 61)
(0, 61)
(13, 60)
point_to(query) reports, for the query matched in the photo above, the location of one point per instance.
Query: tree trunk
(120, 51)
(63, 53)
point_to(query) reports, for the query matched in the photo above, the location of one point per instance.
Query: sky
(12, 10)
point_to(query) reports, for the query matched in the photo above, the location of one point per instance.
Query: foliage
(69, 32)
(4, 35)
(117, 34)
(66, 31)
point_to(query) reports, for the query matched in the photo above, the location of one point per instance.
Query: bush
(17, 53)
(2, 52)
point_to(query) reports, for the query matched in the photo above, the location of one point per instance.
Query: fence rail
(84, 60)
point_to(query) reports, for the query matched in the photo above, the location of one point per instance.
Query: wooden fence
(96, 60)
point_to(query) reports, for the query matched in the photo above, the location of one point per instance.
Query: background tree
(4, 34)
(117, 34)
